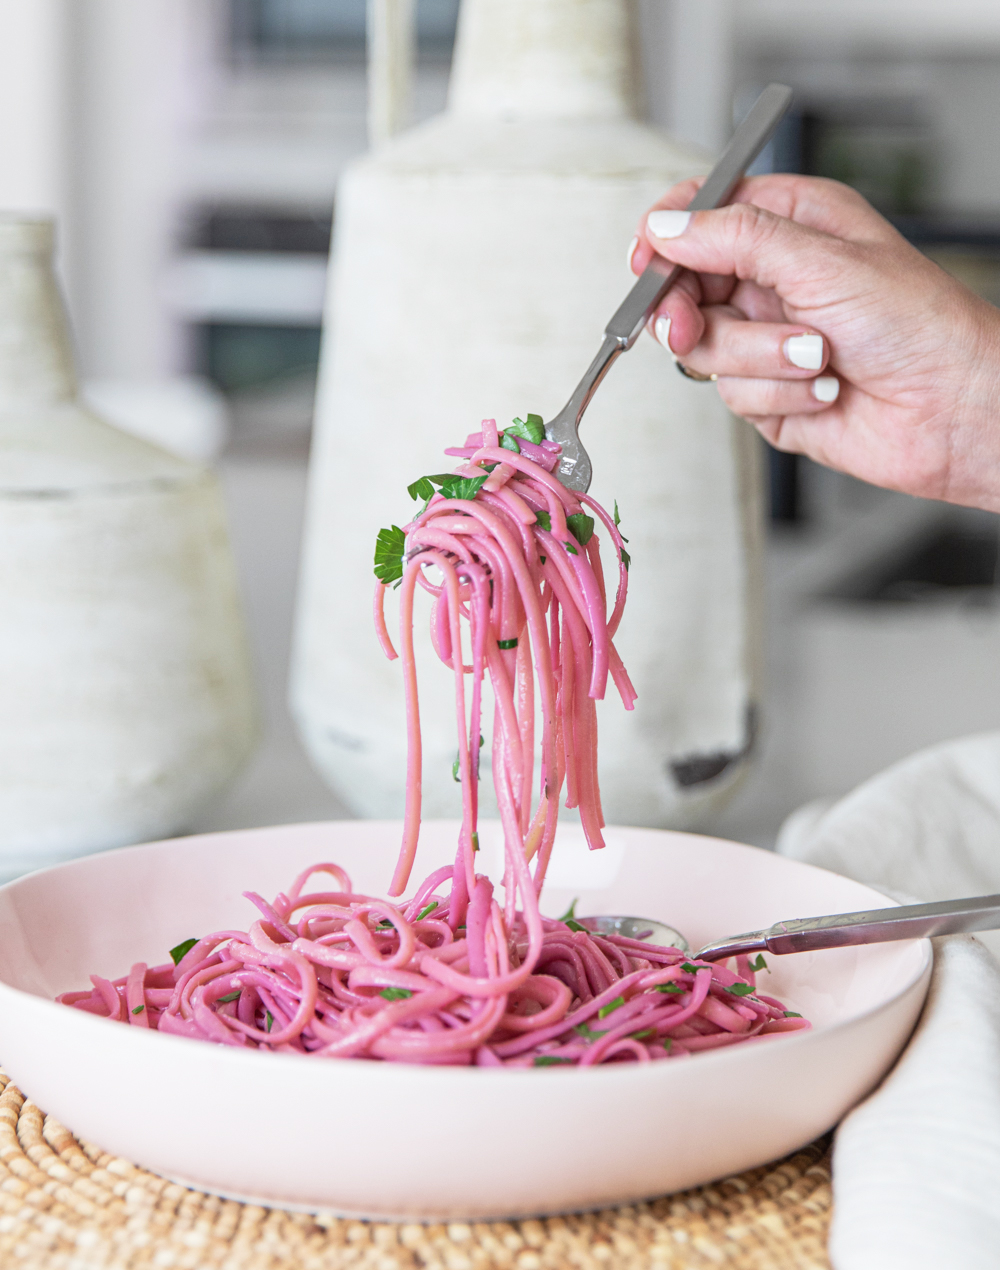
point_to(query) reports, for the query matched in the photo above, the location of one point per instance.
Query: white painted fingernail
(631, 251)
(826, 388)
(661, 329)
(666, 223)
(805, 351)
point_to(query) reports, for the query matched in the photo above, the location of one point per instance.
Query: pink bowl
(384, 1140)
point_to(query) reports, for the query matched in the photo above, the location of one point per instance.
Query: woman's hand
(833, 335)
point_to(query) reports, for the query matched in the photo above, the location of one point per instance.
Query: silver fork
(575, 470)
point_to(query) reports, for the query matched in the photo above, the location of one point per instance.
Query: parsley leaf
(475, 841)
(138, 1009)
(571, 911)
(605, 1010)
(759, 963)
(385, 922)
(542, 559)
(626, 559)
(740, 989)
(182, 950)
(571, 549)
(618, 521)
(581, 526)
(421, 488)
(667, 1042)
(424, 911)
(792, 1014)
(230, 996)
(689, 969)
(573, 924)
(532, 429)
(389, 546)
(396, 994)
(462, 486)
(455, 776)
(641, 1036)
(549, 1060)
(544, 520)
(508, 442)
(507, 643)
(270, 1019)
(588, 1033)
(670, 987)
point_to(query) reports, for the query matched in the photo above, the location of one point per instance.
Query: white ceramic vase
(124, 669)
(476, 260)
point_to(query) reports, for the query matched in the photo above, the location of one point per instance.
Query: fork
(575, 468)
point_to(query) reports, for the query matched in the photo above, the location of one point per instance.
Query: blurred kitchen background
(191, 150)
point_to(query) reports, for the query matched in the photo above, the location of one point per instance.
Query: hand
(834, 336)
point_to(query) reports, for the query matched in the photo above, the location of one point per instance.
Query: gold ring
(694, 374)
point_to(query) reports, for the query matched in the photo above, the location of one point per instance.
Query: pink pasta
(455, 974)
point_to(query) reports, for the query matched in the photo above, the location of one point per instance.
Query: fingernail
(805, 351)
(661, 329)
(631, 251)
(666, 223)
(826, 388)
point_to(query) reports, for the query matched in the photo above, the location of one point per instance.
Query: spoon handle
(876, 926)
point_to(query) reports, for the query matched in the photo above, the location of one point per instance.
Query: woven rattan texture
(66, 1205)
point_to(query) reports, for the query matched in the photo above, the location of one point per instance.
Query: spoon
(575, 469)
(806, 934)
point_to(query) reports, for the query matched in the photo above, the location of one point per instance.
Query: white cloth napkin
(916, 1166)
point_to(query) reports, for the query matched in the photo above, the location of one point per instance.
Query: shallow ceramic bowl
(376, 1139)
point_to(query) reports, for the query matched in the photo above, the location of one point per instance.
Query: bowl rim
(430, 1073)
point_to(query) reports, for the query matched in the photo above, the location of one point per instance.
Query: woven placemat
(68, 1205)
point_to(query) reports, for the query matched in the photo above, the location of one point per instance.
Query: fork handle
(659, 275)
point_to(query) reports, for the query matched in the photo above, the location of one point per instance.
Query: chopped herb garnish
(542, 559)
(270, 1019)
(462, 486)
(509, 442)
(759, 963)
(571, 549)
(641, 1036)
(421, 488)
(396, 994)
(689, 969)
(531, 428)
(581, 526)
(384, 923)
(429, 909)
(571, 911)
(507, 643)
(587, 1032)
(667, 1042)
(626, 559)
(549, 1060)
(573, 924)
(618, 521)
(740, 989)
(475, 841)
(454, 770)
(544, 520)
(605, 1010)
(792, 1014)
(182, 950)
(138, 1009)
(230, 996)
(670, 987)
(389, 547)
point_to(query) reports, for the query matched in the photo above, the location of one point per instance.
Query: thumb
(747, 242)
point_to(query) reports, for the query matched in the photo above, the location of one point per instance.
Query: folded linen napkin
(916, 1166)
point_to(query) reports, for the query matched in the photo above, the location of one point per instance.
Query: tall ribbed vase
(476, 260)
(124, 671)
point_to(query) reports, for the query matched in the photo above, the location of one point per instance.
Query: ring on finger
(696, 375)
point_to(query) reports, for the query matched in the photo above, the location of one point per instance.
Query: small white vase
(124, 669)
(476, 261)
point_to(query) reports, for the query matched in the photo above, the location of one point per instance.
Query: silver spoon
(806, 934)
(657, 278)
